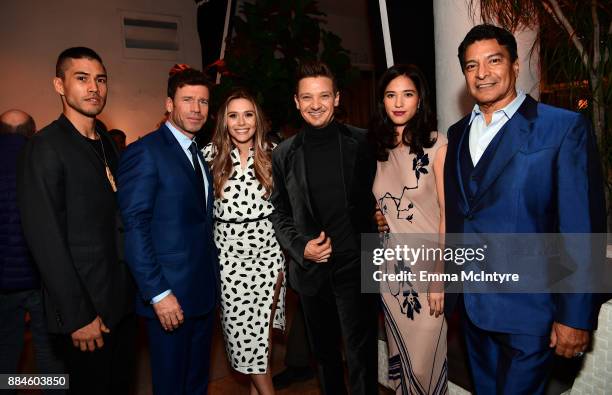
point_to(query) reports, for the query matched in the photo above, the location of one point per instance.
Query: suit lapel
(348, 152)
(514, 138)
(299, 170)
(179, 156)
(210, 189)
(464, 128)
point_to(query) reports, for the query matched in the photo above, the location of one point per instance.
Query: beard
(81, 106)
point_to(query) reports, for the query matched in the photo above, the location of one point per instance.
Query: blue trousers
(180, 360)
(504, 363)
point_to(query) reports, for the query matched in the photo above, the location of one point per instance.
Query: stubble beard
(83, 111)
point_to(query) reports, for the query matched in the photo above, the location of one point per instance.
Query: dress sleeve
(441, 141)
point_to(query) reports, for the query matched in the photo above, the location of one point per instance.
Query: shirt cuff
(159, 297)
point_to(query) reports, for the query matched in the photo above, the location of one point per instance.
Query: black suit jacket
(293, 218)
(70, 220)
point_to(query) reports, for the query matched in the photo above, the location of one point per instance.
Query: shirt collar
(183, 140)
(509, 110)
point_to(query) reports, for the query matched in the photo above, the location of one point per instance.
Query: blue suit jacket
(544, 177)
(168, 228)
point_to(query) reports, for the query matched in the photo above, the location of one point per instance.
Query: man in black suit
(66, 195)
(323, 201)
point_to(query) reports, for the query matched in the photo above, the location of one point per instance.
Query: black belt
(242, 221)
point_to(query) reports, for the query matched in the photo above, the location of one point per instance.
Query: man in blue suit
(165, 195)
(518, 166)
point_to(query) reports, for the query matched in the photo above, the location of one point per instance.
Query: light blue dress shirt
(185, 142)
(482, 134)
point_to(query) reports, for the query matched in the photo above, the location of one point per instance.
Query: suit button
(469, 217)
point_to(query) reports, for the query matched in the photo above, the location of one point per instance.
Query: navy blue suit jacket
(168, 228)
(544, 177)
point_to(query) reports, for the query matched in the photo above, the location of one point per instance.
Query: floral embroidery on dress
(410, 303)
(419, 166)
(403, 204)
(406, 295)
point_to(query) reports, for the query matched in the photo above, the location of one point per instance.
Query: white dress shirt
(482, 134)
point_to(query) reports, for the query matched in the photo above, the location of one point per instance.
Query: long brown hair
(221, 165)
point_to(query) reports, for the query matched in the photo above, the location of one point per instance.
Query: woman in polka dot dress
(252, 263)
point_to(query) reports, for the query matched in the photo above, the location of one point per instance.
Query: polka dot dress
(251, 260)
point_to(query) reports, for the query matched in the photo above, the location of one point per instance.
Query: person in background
(251, 261)
(19, 281)
(409, 189)
(66, 194)
(18, 122)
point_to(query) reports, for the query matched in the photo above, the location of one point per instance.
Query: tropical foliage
(270, 38)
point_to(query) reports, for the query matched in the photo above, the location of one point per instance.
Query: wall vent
(150, 36)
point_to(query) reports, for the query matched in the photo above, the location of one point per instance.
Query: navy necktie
(193, 148)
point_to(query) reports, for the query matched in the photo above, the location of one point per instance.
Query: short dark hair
(74, 53)
(313, 68)
(487, 32)
(184, 77)
(26, 129)
(417, 132)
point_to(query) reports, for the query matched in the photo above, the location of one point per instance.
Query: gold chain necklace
(109, 175)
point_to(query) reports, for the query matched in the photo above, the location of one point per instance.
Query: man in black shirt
(66, 195)
(323, 201)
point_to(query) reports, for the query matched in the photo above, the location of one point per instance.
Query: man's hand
(318, 250)
(381, 222)
(90, 336)
(568, 342)
(435, 297)
(436, 303)
(169, 312)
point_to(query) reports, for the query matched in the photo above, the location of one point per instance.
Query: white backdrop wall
(34, 32)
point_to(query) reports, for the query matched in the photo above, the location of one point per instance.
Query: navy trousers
(504, 363)
(180, 359)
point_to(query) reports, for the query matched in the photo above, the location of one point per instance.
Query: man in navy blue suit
(165, 195)
(518, 166)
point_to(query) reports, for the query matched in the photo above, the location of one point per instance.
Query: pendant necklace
(109, 175)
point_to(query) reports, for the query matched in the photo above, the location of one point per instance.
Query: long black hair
(417, 132)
